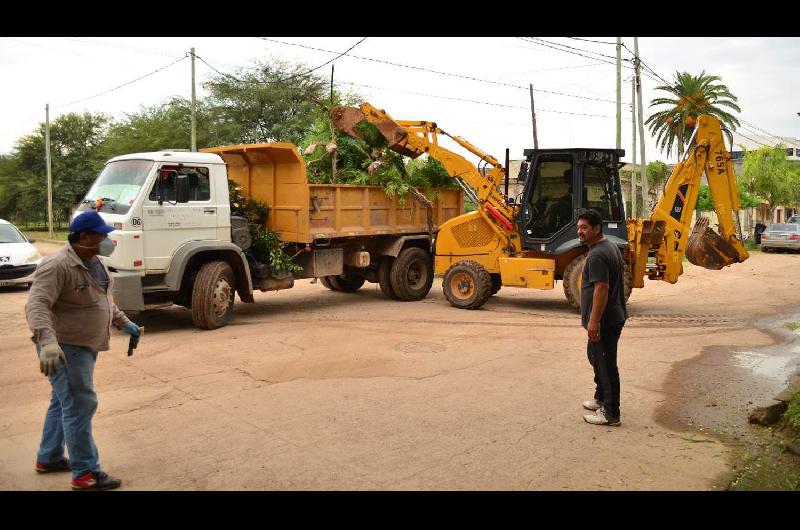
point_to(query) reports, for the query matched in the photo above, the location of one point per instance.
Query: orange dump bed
(275, 174)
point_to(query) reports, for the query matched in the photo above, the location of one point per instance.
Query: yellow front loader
(534, 243)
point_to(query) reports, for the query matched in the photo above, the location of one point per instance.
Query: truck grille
(10, 272)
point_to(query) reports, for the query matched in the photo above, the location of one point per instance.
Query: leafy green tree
(657, 174)
(704, 203)
(689, 97)
(76, 160)
(270, 102)
(767, 173)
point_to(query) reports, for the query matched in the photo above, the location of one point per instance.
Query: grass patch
(792, 325)
(59, 235)
(792, 414)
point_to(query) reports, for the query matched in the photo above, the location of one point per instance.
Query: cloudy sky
(476, 88)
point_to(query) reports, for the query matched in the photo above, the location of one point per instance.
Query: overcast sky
(492, 111)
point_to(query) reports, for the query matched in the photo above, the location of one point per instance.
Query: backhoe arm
(414, 138)
(666, 233)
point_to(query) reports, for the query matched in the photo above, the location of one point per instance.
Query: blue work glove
(131, 329)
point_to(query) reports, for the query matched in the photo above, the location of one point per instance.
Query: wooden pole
(194, 102)
(645, 191)
(633, 131)
(333, 138)
(533, 119)
(619, 92)
(49, 171)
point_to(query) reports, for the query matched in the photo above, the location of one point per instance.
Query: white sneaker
(601, 418)
(592, 404)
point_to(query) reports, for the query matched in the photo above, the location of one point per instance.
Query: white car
(18, 258)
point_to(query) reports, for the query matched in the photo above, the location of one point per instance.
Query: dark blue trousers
(603, 358)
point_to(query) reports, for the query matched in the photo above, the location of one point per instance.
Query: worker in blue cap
(70, 311)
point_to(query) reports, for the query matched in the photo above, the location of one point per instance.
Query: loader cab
(558, 182)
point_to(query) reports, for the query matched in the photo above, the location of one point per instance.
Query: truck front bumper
(128, 291)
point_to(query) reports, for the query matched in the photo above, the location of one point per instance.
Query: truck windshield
(118, 186)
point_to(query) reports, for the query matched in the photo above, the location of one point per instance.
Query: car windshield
(118, 186)
(10, 234)
(783, 228)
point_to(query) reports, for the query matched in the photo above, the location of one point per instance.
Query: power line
(438, 72)
(754, 141)
(471, 100)
(122, 85)
(590, 40)
(530, 39)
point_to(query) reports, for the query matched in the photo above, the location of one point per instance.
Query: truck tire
(572, 281)
(385, 277)
(347, 282)
(212, 295)
(324, 280)
(412, 274)
(497, 283)
(467, 285)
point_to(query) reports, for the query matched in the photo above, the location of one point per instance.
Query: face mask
(105, 248)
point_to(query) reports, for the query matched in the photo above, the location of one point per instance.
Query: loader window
(600, 190)
(551, 200)
(199, 188)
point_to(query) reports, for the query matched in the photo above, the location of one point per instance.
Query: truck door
(170, 224)
(548, 203)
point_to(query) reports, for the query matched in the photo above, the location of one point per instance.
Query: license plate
(5, 259)
(5, 283)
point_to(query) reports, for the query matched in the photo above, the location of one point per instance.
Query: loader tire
(572, 281)
(212, 295)
(497, 283)
(385, 277)
(412, 274)
(347, 282)
(467, 285)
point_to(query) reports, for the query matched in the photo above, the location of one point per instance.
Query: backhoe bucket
(707, 249)
(353, 122)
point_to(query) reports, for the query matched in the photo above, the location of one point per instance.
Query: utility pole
(633, 133)
(49, 171)
(533, 119)
(645, 191)
(333, 138)
(619, 92)
(194, 118)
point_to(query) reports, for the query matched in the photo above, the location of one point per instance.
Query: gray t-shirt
(604, 263)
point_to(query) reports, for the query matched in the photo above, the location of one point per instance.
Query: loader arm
(666, 234)
(415, 138)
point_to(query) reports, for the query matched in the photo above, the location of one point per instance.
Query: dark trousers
(603, 358)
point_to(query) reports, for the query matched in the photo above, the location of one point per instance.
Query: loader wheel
(212, 295)
(385, 277)
(572, 281)
(412, 274)
(467, 285)
(497, 283)
(324, 280)
(347, 282)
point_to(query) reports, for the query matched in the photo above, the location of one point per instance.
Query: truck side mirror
(182, 188)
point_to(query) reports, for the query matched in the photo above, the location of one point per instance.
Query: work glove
(131, 329)
(51, 357)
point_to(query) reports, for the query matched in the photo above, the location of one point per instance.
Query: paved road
(314, 389)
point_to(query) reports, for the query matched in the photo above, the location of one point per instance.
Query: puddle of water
(765, 365)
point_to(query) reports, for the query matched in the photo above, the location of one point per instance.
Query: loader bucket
(707, 249)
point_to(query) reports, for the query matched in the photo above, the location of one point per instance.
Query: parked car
(781, 236)
(18, 257)
(795, 219)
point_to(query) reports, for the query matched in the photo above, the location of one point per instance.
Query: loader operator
(603, 314)
(70, 311)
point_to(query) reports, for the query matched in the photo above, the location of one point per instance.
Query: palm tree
(691, 96)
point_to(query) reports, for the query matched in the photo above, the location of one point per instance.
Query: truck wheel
(385, 277)
(572, 281)
(347, 282)
(497, 283)
(212, 295)
(467, 285)
(412, 274)
(325, 280)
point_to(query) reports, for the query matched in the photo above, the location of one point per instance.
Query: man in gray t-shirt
(603, 314)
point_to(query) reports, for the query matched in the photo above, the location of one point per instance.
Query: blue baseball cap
(90, 222)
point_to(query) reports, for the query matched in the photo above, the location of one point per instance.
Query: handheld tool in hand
(134, 342)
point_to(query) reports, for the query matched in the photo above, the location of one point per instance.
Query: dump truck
(533, 243)
(177, 242)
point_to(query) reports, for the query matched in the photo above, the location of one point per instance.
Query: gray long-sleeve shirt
(66, 304)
